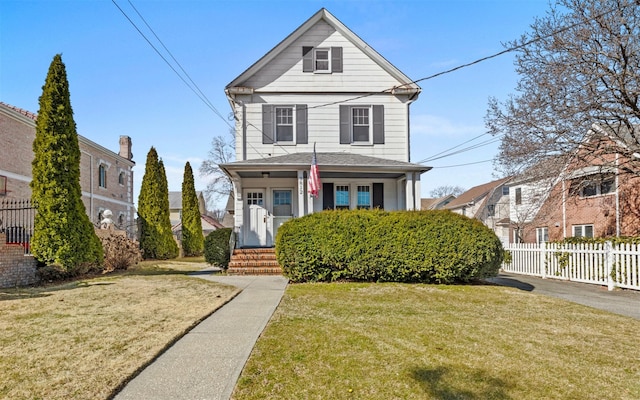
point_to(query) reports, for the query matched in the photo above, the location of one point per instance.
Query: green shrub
(216, 247)
(376, 245)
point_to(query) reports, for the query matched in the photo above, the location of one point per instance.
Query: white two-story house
(322, 87)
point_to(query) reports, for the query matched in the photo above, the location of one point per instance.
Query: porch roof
(340, 164)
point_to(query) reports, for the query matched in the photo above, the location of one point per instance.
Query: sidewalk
(207, 361)
(619, 301)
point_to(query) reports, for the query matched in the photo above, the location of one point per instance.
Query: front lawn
(398, 341)
(82, 340)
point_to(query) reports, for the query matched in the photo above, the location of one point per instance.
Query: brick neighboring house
(593, 196)
(106, 177)
(489, 203)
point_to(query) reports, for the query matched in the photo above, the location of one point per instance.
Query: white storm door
(255, 231)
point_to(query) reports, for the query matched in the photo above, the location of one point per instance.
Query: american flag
(314, 175)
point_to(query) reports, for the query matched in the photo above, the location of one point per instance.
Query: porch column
(301, 192)
(410, 191)
(417, 186)
(238, 217)
(400, 196)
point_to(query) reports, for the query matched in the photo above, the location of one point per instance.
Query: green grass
(395, 341)
(84, 339)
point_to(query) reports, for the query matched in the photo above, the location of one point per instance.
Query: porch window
(583, 231)
(342, 197)
(364, 197)
(542, 235)
(284, 124)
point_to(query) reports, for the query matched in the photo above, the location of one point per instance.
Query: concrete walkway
(207, 361)
(618, 301)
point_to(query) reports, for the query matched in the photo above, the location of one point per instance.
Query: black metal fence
(16, 221)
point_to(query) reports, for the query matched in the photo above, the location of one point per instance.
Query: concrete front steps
(256, 261)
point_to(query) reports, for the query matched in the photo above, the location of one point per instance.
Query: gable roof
(407, 84)
(434, 204)
(175, 199)
(475, 194)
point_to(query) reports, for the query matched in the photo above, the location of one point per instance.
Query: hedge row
(399, 246)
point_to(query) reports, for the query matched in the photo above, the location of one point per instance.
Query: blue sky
(120, 86)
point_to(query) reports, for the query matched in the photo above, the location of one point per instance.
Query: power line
(463, 165)
(195, 89)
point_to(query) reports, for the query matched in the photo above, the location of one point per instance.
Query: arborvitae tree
(156, 240)
(63, 235)
(192, 237)
(170, 245)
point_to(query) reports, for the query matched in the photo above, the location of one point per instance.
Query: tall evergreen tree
(63, 234)
(192, 237)
(156, 240)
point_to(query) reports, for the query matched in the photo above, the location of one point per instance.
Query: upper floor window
(505, 190)
(518, 196)
(321, 60)
(583, 231)
(593, 185)
(362, 124)
(284, 124)
(121, 178)
(491, 210)
(102, 176)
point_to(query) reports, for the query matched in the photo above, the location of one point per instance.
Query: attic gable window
(321, 60)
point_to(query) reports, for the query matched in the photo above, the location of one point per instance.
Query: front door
(282, 209)
(255, 232)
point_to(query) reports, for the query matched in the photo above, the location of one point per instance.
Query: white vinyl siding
(323, 127)
(284, 73)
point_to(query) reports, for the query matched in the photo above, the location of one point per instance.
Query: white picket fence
(596, 263)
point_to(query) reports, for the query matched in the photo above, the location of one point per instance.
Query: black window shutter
(378, 124)
(302, 136)
(327, 196)
(267, 124)
(307, 59)
(345, 135)
(336, 59)
(378, 195)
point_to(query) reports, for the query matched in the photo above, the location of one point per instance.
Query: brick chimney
(125, 147)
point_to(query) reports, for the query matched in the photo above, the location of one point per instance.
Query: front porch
(270, 191)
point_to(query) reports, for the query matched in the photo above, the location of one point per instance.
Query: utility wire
(463, 165)
(200, 96)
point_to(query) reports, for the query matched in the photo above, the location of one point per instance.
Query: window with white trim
(342, 197)
(285, 123)
(505, 190)
(321, 60)
(542, 234)
(360, 126)
(583, 231)
(364, 196)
